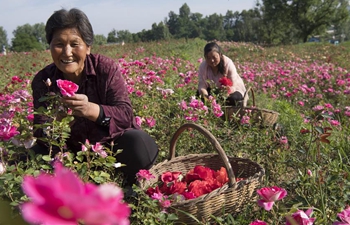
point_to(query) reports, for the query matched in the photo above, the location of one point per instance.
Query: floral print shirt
(103, 84)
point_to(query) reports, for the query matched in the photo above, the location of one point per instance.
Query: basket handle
(245, 99)
(214, 142)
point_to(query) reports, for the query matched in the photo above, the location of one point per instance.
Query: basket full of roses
(201, 185)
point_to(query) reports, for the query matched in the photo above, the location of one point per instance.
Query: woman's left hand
(79, 103)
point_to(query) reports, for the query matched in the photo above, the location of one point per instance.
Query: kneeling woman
(101, 106)
(215, 67)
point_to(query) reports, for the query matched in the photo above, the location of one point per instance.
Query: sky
(106, 15)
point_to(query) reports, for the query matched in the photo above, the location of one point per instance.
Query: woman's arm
(237, 81)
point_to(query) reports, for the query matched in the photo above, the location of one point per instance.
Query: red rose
(221, 175)
(170, 176)
(199, 187)
(170, 188)
(203, 172)
(224, 81)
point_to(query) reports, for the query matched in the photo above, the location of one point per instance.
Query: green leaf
(319, 130)
(46, 158)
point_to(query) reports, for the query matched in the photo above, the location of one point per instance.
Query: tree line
(270, 22)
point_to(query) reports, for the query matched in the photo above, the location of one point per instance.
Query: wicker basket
(264, 117)
(230, 198)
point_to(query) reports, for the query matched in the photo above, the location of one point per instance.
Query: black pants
(140, 151)
(234, 99)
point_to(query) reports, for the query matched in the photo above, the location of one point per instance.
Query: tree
(172, 22)
(229, 24)
(303, 18)
(100, 39)
(112, 37)
(160, 32)
(3, 38)
(242, 26)
(40, 34)
(184, 23)
(124, 36)
(24, 42)
(276, 25)
(28, 38)
(214, 29)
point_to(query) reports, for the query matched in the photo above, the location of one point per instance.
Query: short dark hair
(213, 46)
(74, 18)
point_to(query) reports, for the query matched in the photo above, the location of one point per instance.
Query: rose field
(304, 155)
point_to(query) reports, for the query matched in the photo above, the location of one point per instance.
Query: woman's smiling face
(69, 51)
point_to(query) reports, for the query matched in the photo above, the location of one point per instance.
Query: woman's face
(212, 58)
(68, 51)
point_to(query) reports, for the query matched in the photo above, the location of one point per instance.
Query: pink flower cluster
(63, 198)
(196, 108)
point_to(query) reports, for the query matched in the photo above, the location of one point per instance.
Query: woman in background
(219, 70)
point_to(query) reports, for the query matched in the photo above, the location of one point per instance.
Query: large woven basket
(261, 116)
(231, 198)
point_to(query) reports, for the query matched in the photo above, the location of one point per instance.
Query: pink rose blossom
(98, 148)
(144, 175)
(309, 172)
(245, 120)
(284, 140)
(344, 217)
(301, 218)
(67, 87)
(269, 195)
(334, 122)
(63, 198)
(258, 222)
(150, 121)
(7, 131)
(138, 120)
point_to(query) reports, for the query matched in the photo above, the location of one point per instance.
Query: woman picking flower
(101, 106)
(220, 70)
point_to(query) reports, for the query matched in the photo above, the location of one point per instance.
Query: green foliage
(100, 39)
(29, 38)
(112, 36)
(286, 164)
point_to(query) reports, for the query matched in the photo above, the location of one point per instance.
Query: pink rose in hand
(67, 87)
(269, 195)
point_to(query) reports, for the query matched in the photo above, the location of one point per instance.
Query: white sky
(105, 15)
